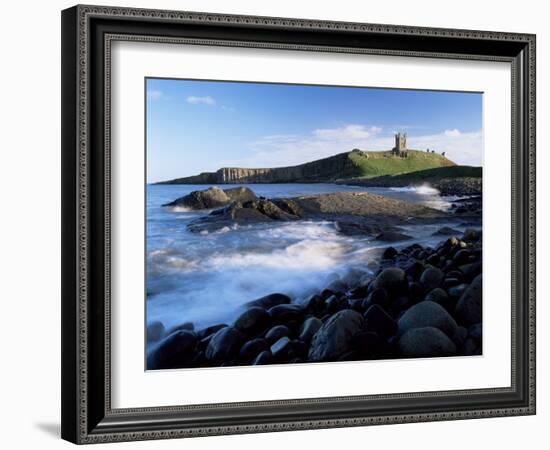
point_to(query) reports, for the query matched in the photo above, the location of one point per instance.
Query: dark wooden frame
(87, 31)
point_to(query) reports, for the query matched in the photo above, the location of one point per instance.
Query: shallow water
(206, 279)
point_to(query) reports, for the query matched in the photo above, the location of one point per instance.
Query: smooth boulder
(173, 351)
(253, 320)
(309, 328)
(333, 339)
(224, 344)
(427, 314)
(468, 308)
(431, 278)
(270, 300)
(425, 342)
(392, 279)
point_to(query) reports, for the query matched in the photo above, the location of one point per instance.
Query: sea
(207, 278)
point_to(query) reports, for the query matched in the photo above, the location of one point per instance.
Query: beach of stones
(419, 302)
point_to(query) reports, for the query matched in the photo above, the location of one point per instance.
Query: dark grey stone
(431, 278)
(427, 314)
(253, 320)
(425, 342)
(224, 344)
(468, 308)
(334, 337)
(173, 351)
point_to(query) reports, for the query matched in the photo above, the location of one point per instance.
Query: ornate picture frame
(87, 35)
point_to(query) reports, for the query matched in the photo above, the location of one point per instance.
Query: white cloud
(348, 132)
(461, 147)
(194, 100)
(291, 149)
(154, 94)
(452, 133)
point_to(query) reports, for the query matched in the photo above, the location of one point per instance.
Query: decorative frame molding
(88, 31)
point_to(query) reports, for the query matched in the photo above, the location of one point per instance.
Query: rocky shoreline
(459, 186)
(418, 302)
(353, 212)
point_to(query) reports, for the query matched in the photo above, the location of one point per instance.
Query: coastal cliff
(353, 164)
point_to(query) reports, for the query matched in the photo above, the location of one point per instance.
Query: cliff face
(327, 169)
(341, 166)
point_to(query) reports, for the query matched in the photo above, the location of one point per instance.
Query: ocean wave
(423, 189)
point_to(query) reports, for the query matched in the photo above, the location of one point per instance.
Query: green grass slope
(376, 164)
(435, 174)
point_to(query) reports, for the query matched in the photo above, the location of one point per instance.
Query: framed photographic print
(281, 224)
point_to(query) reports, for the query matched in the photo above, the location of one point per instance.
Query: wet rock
(468, 308)
(367, 343)
(189, 326)
(334, 337)
(270, 300)
(389, 253)
(284, 314)
(446, 231)
(414, 269)
(173, 351)
(378, 296)
(208, 331)
(460, 336)
(338, 286)
(425, 342)
(155, 331)
(475, 332)
(416, 291)
(392, 236)
(224, 344)
(471, 270)
(457, 291)
(289, 206)
(309, 328)
(264, 357)
(253, 348)
(472, 235)
(433, 259)
(450, 282)
(281, 348)
(356, 228)
(431, 278)
(253, 320)
(440, 297)
(461, 257)
(392, 279)
(379, 321)
(427, 314)
(213, 197)
(276, 333)
(471, 347)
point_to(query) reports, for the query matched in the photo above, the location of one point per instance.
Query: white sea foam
(423, 189)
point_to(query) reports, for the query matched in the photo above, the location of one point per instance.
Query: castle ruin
(400, 148)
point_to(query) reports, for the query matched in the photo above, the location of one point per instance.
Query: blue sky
(198, 126)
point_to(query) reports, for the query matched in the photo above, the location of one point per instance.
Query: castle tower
(400, 148)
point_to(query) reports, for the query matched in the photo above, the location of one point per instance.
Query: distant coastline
(348, 165)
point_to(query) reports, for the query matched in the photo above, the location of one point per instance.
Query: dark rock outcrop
(214, 197)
